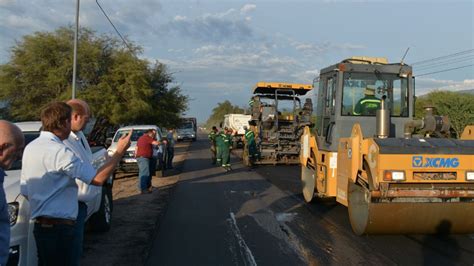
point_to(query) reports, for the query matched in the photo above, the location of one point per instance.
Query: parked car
(129, 162)
(22, 242)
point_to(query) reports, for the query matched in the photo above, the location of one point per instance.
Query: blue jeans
(79, 233)
(54, 244)
(144, 173)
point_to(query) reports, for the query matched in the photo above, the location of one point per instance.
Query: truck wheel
(101, 220)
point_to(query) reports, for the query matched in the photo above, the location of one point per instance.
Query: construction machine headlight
(470, 176)
(13, 208)
(394, 175)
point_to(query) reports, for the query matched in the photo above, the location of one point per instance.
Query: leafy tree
(459, 107)
(119, 87)
(220, 111)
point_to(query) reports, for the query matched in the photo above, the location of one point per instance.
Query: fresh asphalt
(219, 218)
(259, 218)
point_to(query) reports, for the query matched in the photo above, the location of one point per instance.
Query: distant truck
(187, 129)
(236, 122)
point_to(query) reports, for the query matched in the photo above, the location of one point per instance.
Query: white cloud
(426, 85)
(15, 21)
(219, 27)
(318, 49)
(306, 76)
(247, 8)
(180, 18)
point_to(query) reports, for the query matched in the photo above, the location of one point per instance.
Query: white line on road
(240, 239)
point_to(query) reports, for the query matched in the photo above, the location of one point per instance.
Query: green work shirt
(212, 137)
(249, 135)
(367, 105)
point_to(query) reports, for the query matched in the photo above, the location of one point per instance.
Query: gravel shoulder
(135, 218)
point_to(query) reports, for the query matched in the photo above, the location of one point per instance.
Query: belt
(53, 221)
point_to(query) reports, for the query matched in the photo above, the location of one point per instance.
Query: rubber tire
(101, 220)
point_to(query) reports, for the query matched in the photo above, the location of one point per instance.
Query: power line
(444, 70)
(447, 62)
(443, 57)
(115, 28)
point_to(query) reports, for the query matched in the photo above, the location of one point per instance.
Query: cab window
(362, 93)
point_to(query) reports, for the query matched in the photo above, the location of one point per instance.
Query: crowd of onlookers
(57, 177)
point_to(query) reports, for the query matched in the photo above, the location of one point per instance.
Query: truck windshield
(135, 135)
(362, 93)
(188, 125)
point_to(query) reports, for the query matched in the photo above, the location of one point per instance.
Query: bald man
(86, 195)
(11, 144)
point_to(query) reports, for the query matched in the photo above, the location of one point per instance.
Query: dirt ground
(134, 219)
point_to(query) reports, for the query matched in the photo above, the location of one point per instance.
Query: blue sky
(218, 50)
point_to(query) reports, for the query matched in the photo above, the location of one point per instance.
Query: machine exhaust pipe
(383, 120)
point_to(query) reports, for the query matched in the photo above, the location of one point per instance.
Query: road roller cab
(390, 180)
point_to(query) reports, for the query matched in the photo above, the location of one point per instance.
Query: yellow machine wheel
(368, 217)
(307, 182)
(358, 207)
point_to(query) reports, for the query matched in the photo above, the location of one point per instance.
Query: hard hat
(369, 90)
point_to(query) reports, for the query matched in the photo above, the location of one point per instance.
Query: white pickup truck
(22, 242)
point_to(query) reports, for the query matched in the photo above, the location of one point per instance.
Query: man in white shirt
(87, 194)
(48, 181)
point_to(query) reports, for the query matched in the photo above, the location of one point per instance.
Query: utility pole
(74, 67)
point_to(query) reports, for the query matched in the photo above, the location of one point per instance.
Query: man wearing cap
(369, 104)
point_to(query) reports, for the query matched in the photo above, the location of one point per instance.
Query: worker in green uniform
(219, 140)
(251, 146)
(223, 144)
(369, 104)
(212, 138)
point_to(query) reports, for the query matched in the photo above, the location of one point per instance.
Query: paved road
(258, 217)
(327, 222)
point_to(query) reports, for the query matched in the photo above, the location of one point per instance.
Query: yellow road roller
(395, 174)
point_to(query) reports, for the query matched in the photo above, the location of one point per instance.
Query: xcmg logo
(436, 162)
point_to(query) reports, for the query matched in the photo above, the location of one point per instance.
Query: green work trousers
(225, 156)
(213, 153)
